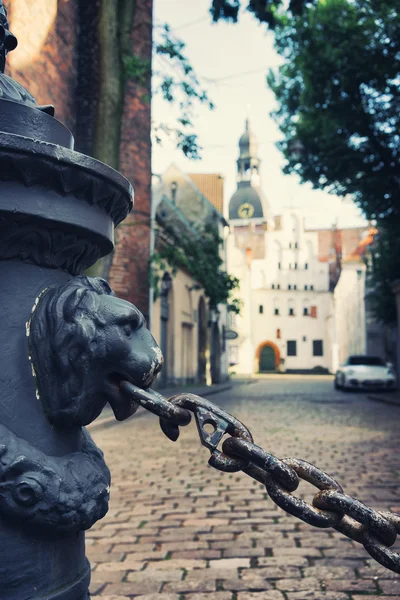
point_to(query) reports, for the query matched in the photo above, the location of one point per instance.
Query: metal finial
(8, 41)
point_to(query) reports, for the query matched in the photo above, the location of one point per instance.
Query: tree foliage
(176, 81)
(339, 111)
(200, 255)
(339, 98)
(266, 11)
(383, 268)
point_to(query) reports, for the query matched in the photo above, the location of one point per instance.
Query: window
(291, 347)
(306, 287)
(306, 266)
(278, 287)
(318, 348)
(295, 266)
(304, 338)
(305, 311)
(291, 312)
(365, 360)
(313, 312)
(295, 287)
(289, 287)
(278, 334)
(290, 244)
(311, 287)
(261, 309)
(279, 266)
(273, 286)
(290, 266)
(276, 311)
(296, 245)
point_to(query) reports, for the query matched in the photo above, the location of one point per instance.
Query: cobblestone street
(179, 530)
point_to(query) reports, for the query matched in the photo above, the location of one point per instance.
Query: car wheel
(336, 385)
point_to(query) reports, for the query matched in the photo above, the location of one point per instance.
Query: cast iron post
(66, 342)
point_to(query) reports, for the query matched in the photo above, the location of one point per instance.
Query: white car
(365, 373)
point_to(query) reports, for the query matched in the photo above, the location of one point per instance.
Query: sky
(232, 61)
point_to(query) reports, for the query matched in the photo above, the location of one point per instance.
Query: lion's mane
(65, 332)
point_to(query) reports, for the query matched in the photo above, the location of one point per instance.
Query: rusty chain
(331, 507)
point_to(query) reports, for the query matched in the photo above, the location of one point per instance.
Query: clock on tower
(246, 210)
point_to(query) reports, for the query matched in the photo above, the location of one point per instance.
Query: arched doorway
(268, 357)
(202, 341)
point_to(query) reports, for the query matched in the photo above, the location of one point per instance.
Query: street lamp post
(65, 344)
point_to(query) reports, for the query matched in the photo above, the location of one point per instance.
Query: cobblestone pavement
(178, 530)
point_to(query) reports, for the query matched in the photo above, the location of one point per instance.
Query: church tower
(249, 211)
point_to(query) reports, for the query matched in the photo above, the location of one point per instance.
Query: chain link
(331, 507)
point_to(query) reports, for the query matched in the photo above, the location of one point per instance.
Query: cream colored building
(191, 336)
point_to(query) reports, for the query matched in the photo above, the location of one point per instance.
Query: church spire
(248, 162)
(248, 202)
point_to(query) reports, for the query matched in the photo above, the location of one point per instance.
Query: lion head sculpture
(83, 342)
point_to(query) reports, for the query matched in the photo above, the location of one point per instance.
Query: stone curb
(201, 391)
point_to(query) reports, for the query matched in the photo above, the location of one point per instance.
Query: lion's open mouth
(122, 406)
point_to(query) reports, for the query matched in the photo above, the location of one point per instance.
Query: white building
(291, 302)
(287, 317)
(350, 326)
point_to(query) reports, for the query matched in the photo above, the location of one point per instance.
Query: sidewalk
(391, 398)
(107, 418)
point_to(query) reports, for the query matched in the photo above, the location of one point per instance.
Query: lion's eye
(127, 329)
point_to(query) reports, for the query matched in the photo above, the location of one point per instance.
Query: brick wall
(45, 60)
(129, 271)
(48, 63)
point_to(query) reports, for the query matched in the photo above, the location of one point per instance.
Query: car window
(366, 360)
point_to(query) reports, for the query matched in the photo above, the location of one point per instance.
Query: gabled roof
(211, 185)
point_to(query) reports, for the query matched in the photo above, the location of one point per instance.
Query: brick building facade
(57, 60)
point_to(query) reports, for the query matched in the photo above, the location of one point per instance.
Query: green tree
(266, 11)
(339, 111)
(339, 98)
(382, 269)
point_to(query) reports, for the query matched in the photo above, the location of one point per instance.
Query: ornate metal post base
(66, 342)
